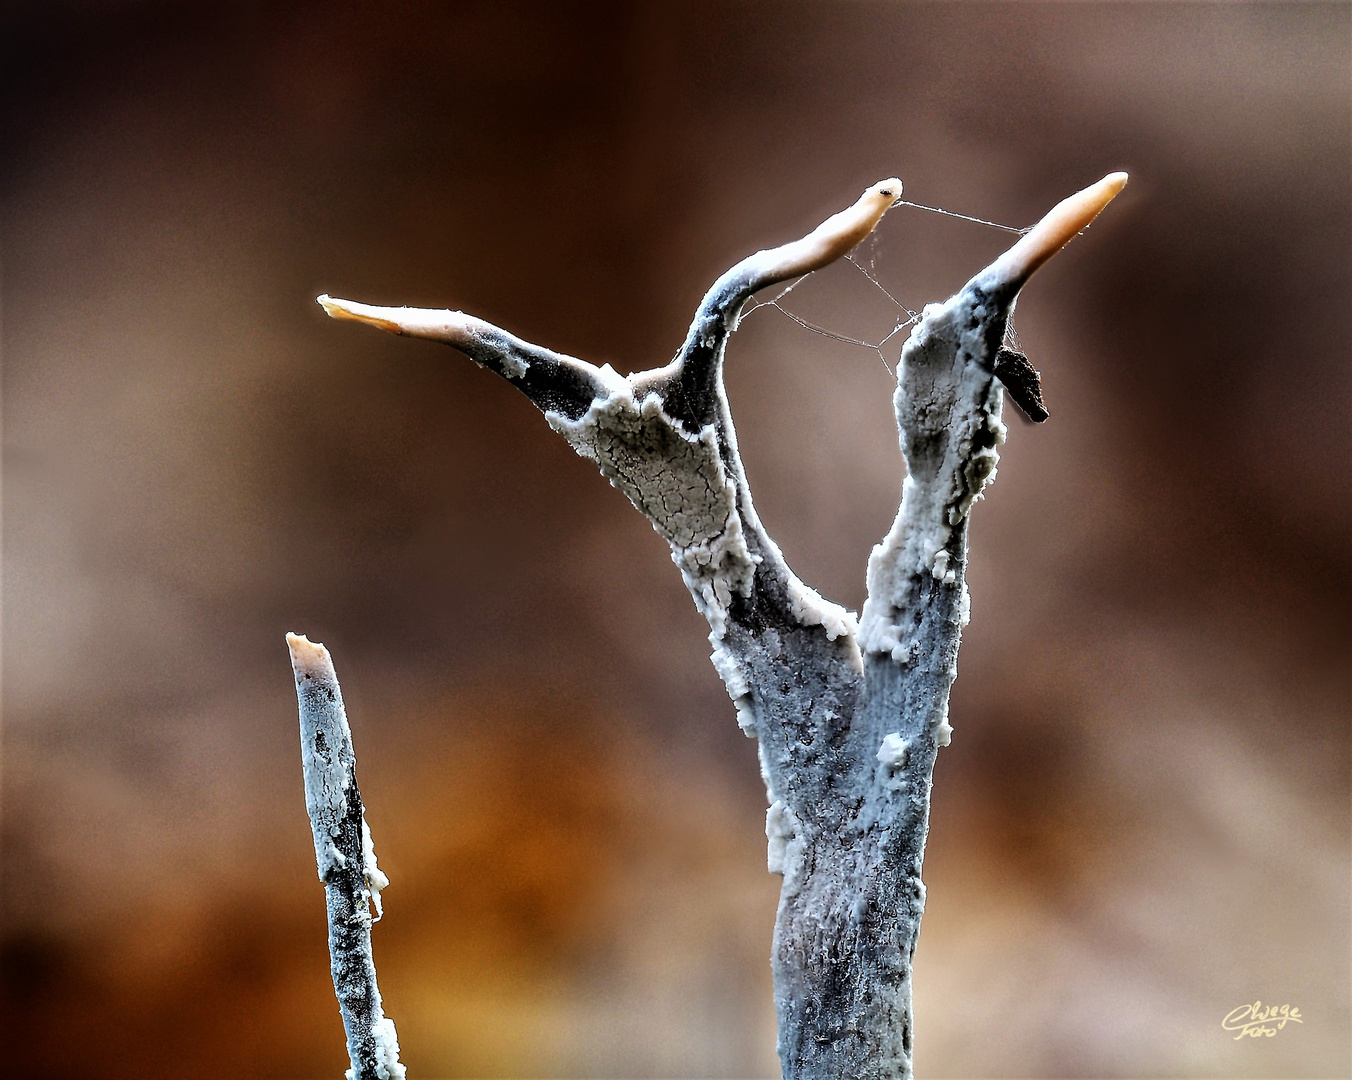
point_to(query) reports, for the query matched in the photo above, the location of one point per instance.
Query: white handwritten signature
(1257, 1021)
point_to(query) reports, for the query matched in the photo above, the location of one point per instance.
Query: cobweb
(905, 316)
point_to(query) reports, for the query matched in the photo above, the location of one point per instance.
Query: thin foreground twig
(346, 860)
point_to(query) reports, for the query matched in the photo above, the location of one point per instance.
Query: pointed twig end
(362, 313)
(1056, 229)
(307, 655)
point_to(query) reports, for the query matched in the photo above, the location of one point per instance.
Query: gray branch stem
(346, 860)
(849, 712)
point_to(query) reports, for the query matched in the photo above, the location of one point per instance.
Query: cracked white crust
(679, 482)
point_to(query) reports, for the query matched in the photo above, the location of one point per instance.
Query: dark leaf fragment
(1023, 382)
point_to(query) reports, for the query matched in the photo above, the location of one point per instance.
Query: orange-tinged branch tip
(362, 313)
(1056, 229)
(307, 655)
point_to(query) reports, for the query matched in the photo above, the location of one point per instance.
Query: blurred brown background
(1143, 819)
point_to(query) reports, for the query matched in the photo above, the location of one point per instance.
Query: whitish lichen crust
(387, 1050)
(784, 841)
(734, 679)
(948, 412)
(892, 752)
(678, 480)
(376, 881)
(810, 608)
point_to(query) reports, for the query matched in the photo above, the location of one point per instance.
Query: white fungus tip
(362, 313)
(1056, 229)
(436, 324)
(887, 189)
(307, 655)
(834, 237)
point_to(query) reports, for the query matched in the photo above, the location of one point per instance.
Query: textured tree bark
(849, 713)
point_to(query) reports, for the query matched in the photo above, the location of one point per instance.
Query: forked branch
(848, 714)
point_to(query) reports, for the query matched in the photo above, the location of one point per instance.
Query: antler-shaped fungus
(849, 715)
